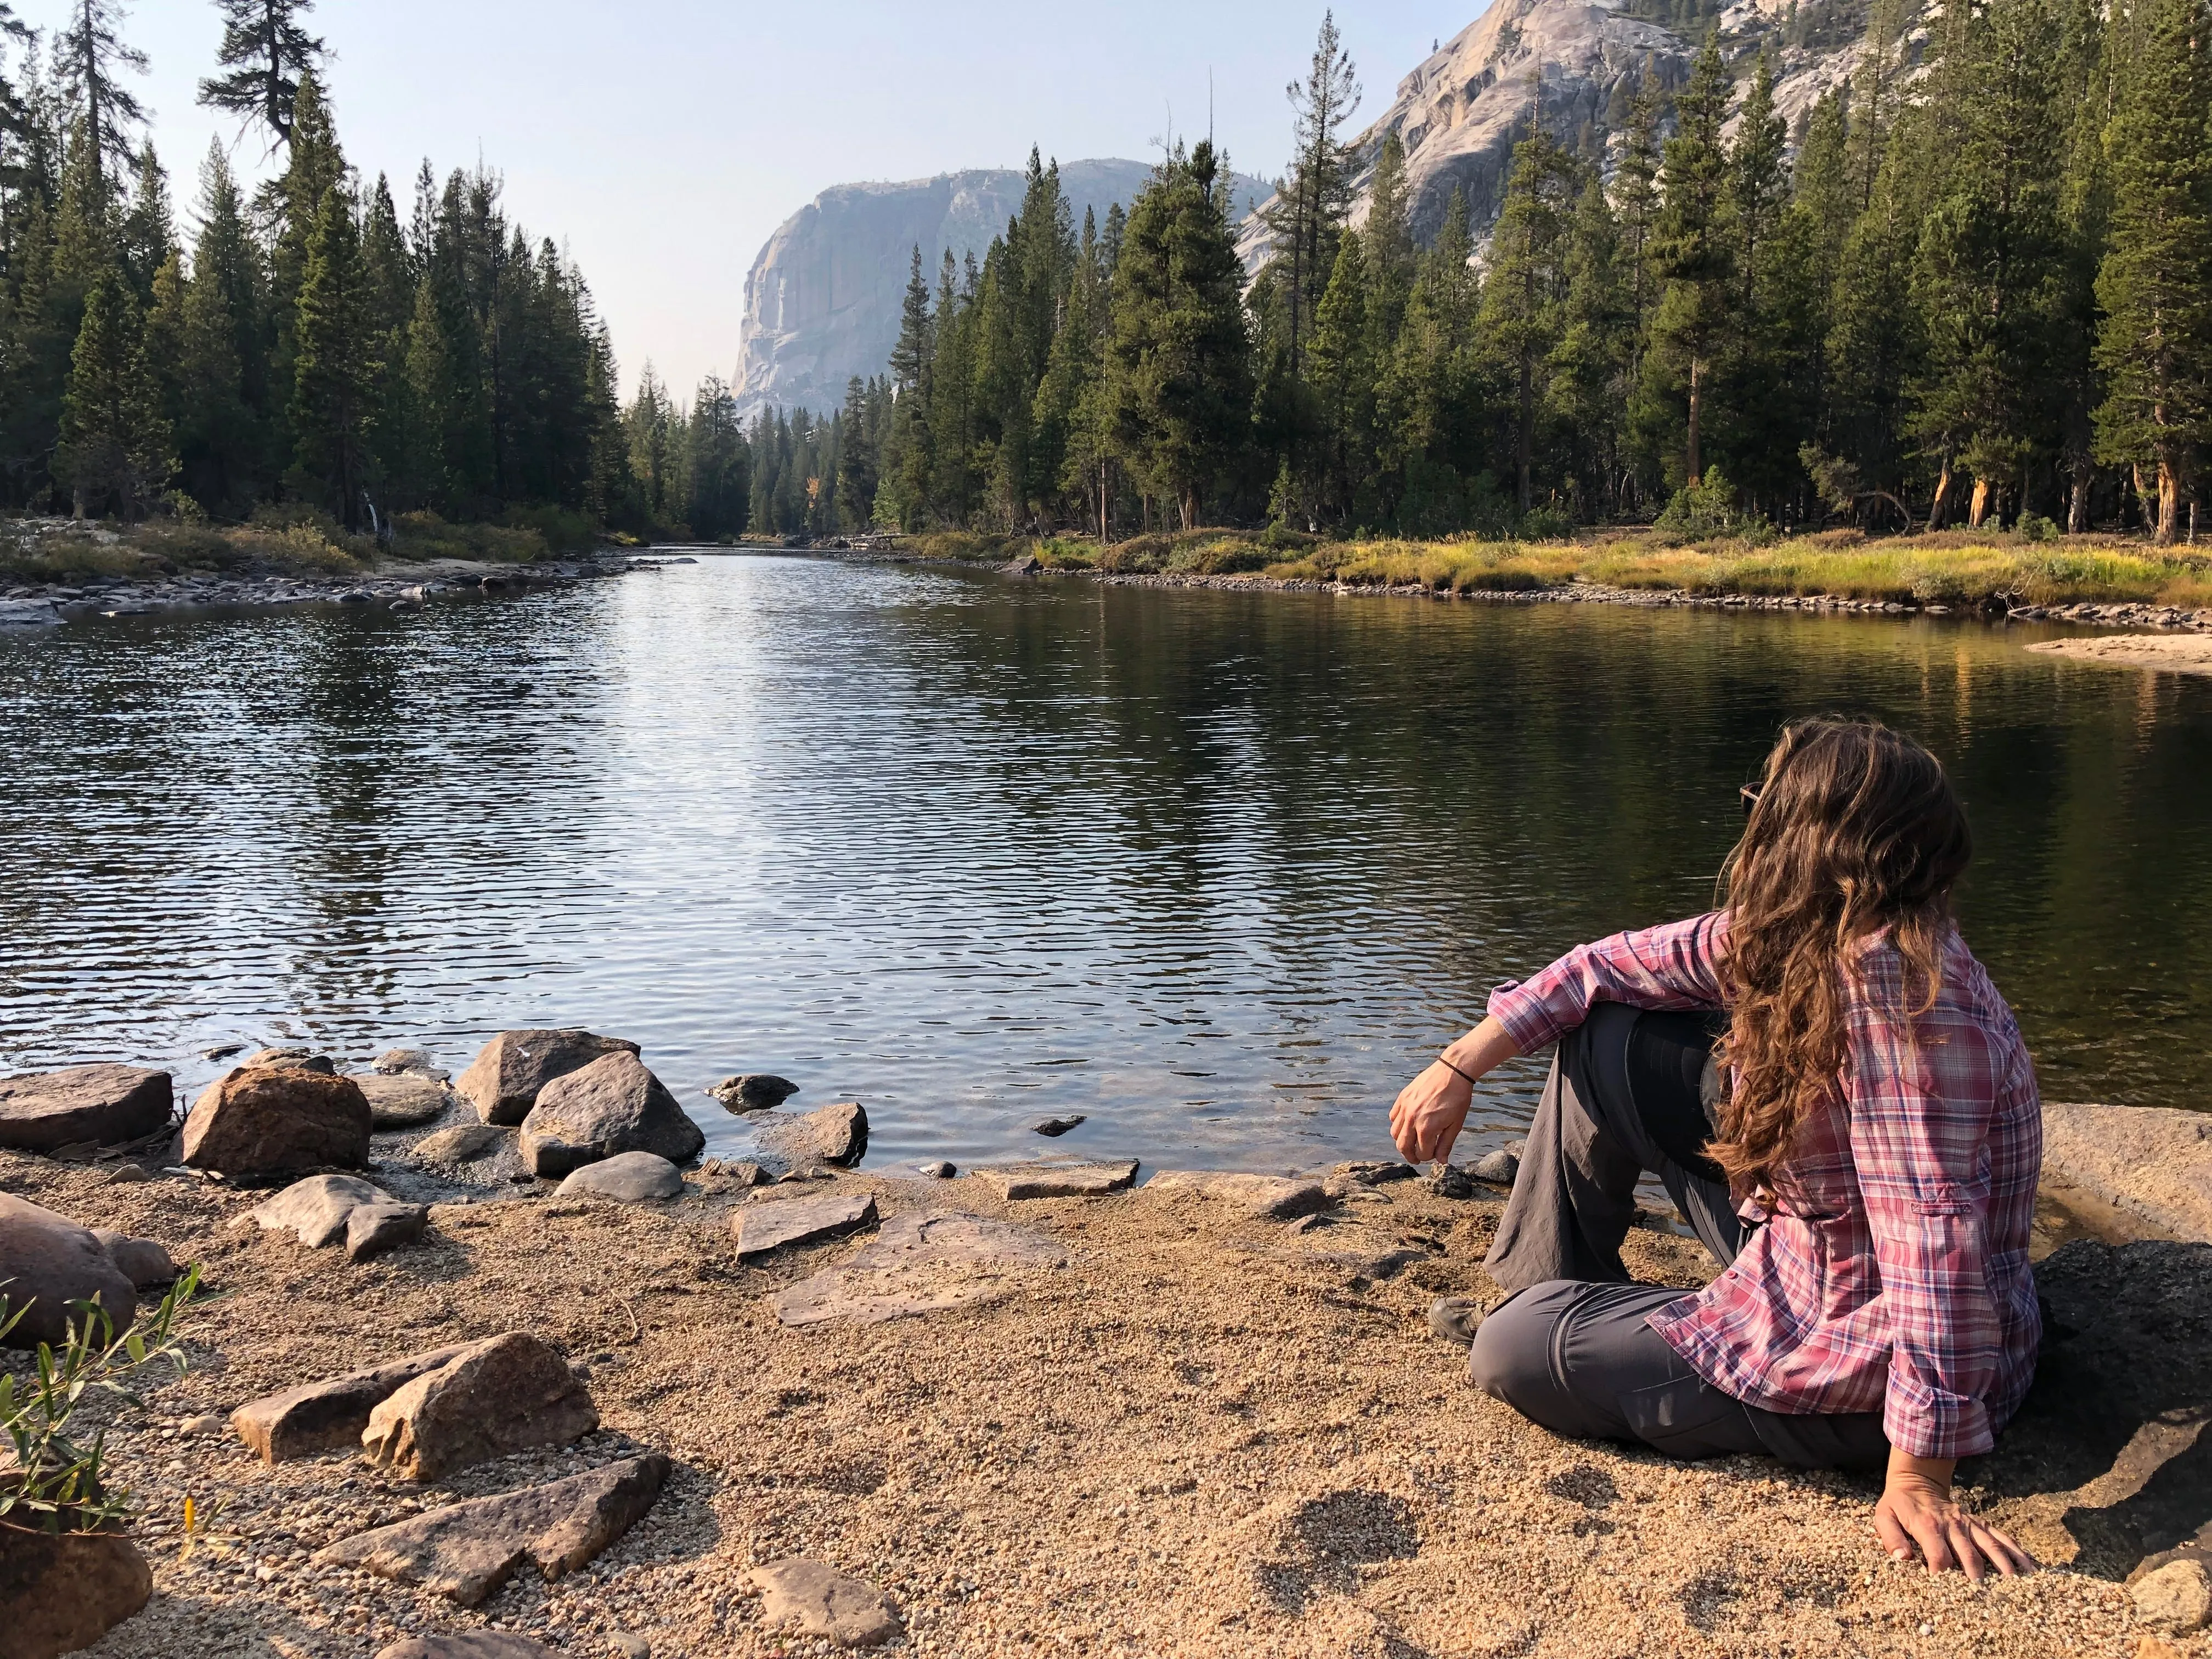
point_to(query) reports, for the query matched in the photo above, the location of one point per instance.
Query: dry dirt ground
(1204, 1435)
(2182, 654)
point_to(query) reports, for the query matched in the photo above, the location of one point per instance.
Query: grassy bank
(1949, 568)
(290, 542)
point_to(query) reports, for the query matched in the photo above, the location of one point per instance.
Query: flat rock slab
(321, 1210)
(812, 1598)
(48, 1262)
(277, 1119)
(465, 1143)
(109, 1104)
(468, 1645)
(1270, 1198)
(328, 1415)
(612, 1105)
(467, 1551)
(401, 1102)
(626, 1178)
(2152, 1160)
(765, 1224)
(919, 1264)
(503, 1081)
(1020, 1181)
(836, 1134)
(502, 1395)
(60, 1592)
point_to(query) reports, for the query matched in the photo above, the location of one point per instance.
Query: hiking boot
(1456, 1318)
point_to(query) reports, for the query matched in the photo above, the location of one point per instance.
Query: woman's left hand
(1429, 1112)
(1917, 1514)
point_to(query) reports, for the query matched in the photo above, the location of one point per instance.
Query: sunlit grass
(1950, 567)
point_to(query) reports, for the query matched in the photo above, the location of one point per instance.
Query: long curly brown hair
(1854, 828)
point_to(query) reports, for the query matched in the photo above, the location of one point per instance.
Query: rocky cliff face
(1461, 110)
(821, 299)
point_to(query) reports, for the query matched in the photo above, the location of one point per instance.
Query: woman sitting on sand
(1867, 1182)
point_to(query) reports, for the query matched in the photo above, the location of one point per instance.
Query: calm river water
(1216, 870)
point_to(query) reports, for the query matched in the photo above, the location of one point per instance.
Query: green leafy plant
(57, 1484)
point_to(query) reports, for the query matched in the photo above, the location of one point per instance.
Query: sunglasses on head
(1750, 794)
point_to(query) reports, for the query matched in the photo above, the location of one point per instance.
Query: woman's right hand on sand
(1428, 1112)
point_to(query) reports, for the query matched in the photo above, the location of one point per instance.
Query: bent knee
(1512, 1359)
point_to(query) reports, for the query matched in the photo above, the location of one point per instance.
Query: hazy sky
(665, 139)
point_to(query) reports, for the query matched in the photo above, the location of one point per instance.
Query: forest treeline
(318, 345)
(1977, 288)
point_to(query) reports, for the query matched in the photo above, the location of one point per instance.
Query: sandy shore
(1203, 1435)
(2180, 654)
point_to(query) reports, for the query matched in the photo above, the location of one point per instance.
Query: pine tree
(115, 447)
(2156, 284)
(1313, 199)
(89, 55)
(267, 53)
(1587, 374)
(334, 367)
(148, 233)
(1693, 249)
(1342, 370)
(1523, 287)
(1177, 354)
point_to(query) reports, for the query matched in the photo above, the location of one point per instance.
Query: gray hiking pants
(1631, 1091)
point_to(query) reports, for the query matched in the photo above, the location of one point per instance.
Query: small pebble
(126, 1173)
(632, 1647)
(205, 1423)
(937, 1170)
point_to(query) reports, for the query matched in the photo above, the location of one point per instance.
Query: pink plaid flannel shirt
(1893, 1274)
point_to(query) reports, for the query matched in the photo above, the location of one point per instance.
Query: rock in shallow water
(499, 1395)
(264, 1121)
(467, 1551)
(504, 1080)
(754, 1092)
(612, 1105)
(626, 1178)
(48, 1262)
(109, 1104)
(836, 1134)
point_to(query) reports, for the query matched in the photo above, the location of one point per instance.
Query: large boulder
(504, 1080)
(626, 1178)
(328, 1415)
(612, 1105)
(110, 1104)
(48, 1262)
(63, 1591)
(467, 1551)
(277, 1120)
(496, 1396)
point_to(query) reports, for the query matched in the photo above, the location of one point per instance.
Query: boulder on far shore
(48, 1262)
(504, 1080)
(277, 1120)
(43, 1110)
(612, 1105)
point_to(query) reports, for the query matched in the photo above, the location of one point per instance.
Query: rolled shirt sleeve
(1920, 1093)
(1676, 966)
